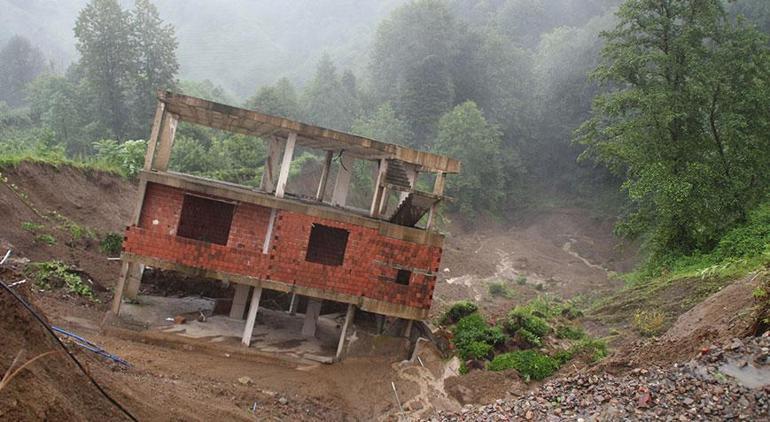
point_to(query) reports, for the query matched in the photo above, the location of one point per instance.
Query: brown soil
(568, 252)
(37, 193)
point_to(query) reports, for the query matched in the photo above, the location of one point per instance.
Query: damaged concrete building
(382, 260)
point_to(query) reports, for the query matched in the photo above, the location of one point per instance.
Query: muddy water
(745, 374)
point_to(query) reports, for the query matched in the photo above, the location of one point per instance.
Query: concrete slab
(275, 332)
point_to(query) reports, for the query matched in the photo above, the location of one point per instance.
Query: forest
(656, 110)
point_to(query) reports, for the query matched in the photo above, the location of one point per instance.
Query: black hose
(50, 331)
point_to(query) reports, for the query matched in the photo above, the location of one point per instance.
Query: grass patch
(521, 280)
(31, 226)
(55, 274)
(649, 323)
(45, 239)
(592, 349)
(530, 364)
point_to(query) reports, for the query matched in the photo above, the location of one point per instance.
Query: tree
(383, 125)
(684, 120)
(325, 100)
(20, 63)
(279, 99)
(156, 66)
(104, 40)
(464, 133)
(427, 93)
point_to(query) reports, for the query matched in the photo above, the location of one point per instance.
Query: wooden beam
(270, 170)
(166, 141)
(252, 318)
(348, 319)
(153, 141)
(288, 154)
(319, 195)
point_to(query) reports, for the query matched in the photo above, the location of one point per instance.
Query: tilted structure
(377, 260)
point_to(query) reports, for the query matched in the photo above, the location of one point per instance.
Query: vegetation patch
(499, 289)
(56, 274)
(458, 311)
(530, 364)
(111, 244)
(45, 239)
(475, 339)
(649, 322)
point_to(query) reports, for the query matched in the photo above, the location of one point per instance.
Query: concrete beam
(252, 318)
(311, 317)
(239, 301)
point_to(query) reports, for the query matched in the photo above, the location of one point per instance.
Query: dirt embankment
(44, 210)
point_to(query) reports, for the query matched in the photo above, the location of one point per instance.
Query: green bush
(127, 156)
(112, 243)
(30, 226)
(46, 239)
(521, 280)
(525, 323)
(593, 349)
(498, 289)
(458, 311)
(570, 332)
(474, 339)
(529, 363)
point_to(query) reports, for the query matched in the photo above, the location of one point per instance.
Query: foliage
(127, 156)
(593, 349)
(649, 323)
(682, 121)
(279, 100)
(111, 243)
(521, 279)
(458, 311)
(51, 274)
(31, 226)
(499, 289)
(383, 125)
(569, 331)
(326, 102)
(20, 63)
(46, 239)
(474, 339)
(528, 363)
(524, 323)
(464, 134)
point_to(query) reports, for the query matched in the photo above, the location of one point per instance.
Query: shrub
(474, 339)
(57, 274)
(593, 349)
(111, 243)
(649, 323)
(79, 232)
(521, 280)
(498, 289)
(458, 311)
(529, 363)
(530, 327)
(570, 332)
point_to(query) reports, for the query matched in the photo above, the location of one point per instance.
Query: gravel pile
(725, 382)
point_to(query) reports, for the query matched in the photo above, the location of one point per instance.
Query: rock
(179, 319)
(245, 380)
(283, 400)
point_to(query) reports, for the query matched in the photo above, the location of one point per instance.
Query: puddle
(749, 376)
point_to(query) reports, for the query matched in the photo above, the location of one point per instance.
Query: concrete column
(293, 303)
(166, 141)
(134, 280)
(270, 170)
(118, 295)
(239, 301)
(342, 182)
(252, 318)
(319, 195)
(283, 175)
(408, 328)
(311, 317)
(348, 319)
(379, 190)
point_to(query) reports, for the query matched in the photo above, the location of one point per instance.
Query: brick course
(369, 268)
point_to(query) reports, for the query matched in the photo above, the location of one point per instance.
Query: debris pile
(725, 382)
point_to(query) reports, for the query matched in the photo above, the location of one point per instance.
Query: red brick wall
(369, 267)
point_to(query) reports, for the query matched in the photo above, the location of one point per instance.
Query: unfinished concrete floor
(275, 332)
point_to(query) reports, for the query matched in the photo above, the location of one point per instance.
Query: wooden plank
(153, 141)
(283, 176)
(166, 141)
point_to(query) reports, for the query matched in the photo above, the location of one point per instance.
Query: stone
(245, 380)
